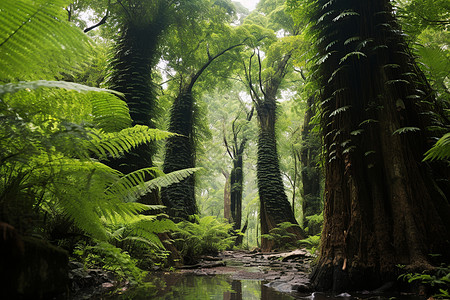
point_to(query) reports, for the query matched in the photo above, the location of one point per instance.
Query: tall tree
(383, 205)
(180, 149)
(141, 26)
(264, 90)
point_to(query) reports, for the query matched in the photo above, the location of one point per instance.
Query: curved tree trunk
(383, 205)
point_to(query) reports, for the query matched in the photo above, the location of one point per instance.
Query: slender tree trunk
(310, 174)
(383, 205)
(227, 197)
(236, 180)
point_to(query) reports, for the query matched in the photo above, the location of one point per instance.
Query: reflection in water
(219, 287)
(176, 286)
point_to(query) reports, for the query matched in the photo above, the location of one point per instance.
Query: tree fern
(35, 40)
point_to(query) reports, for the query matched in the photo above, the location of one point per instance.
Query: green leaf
(351, 54)
(344, 14)
(441, 150)
(405, 130)
(339, 110)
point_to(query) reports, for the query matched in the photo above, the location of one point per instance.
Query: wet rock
(302, 288)
(87, 283)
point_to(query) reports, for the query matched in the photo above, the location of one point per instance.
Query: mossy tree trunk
(309, 158)
(274, 204)
(131, 74)
(383, 205)
(180, 154)
(180, 149)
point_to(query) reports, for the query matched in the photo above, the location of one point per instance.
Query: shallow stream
(247, 276)
(222, 287)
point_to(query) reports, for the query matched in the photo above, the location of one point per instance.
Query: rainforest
(219, 149)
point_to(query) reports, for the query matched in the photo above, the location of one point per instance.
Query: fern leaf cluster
(36, 41)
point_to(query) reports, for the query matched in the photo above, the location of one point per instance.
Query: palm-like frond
(36, 40)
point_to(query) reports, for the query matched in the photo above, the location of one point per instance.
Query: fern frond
(36, 40)
(441, 150)
(69, 101)
(131, 194)
(132, 180)
(405, 130)
(11, 88)
(114, 144)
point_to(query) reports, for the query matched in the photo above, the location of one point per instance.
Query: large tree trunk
(274, 204)
(180, 154)
(309, 157)
(135, 53)
(383, 205)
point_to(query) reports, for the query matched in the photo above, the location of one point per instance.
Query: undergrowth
(204, 236)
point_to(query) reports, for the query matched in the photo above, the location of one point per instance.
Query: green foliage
(312, 243)
(108, 257)
(34, 34)
(441, 150)
(51, 129)
(205, 236)
(139, 236)
(438, 280)
(282, 238)
(69, 101)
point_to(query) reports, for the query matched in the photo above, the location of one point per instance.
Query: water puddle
(175, 286)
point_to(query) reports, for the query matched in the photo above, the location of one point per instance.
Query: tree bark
(383, 205)
(135, 53)
(274, 204)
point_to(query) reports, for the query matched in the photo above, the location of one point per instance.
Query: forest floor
(284, 271)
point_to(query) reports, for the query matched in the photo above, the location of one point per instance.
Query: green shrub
(437, 281)
(205, 236)
(311, 243)
(282, 238)
(108, 257)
